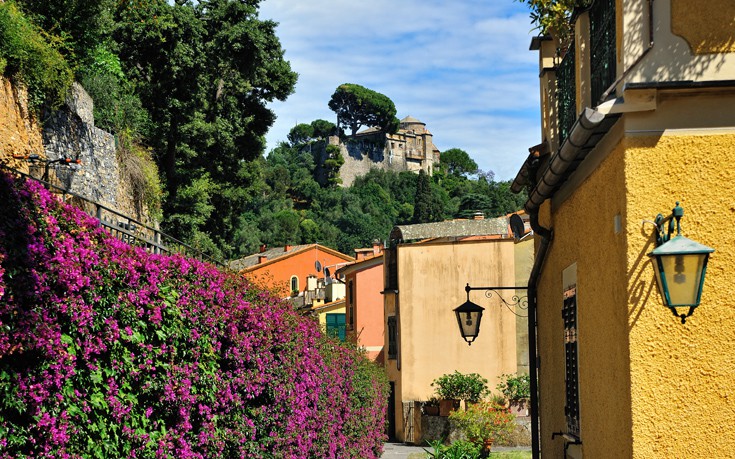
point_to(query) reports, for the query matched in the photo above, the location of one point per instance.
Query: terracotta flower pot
(446, 406)
(487, 445)
(431, 410)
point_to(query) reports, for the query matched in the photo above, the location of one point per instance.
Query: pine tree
(427, 207)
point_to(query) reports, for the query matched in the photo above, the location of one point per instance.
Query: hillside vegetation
(109, 351)
(185, 85)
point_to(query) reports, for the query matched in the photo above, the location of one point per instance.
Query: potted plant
(431, 407)
(453, 387)
(484, 422)
(516, 390)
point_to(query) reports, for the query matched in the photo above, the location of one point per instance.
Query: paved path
(403, 451)
(399, 450)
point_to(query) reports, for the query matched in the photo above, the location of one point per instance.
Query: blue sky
(462, 67)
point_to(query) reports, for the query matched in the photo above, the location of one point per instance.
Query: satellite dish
(517, 226)
(318, 266)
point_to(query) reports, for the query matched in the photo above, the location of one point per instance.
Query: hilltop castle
(410, 149)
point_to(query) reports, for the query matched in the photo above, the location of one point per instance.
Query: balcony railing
(566, 93)
(123, 227)
(602, 44)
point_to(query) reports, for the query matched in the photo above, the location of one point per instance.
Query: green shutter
(336, 325)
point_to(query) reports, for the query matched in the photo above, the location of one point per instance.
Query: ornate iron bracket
(515, 303)
(663, 234)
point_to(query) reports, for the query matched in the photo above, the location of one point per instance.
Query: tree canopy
(357, 106)
(457, 162)
(189, 80)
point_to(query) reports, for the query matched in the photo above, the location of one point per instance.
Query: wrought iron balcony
(602, 44)
(566, 93)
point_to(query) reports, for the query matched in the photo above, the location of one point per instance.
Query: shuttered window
(336, 325)
(571, 407)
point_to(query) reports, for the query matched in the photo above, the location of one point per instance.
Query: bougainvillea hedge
(109, 351)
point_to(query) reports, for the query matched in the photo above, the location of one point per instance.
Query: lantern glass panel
(683, 277)
(469, 323)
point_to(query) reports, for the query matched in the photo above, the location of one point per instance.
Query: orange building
(289, 270)
(364, 301)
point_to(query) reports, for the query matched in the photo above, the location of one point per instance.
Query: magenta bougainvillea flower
(109, 351)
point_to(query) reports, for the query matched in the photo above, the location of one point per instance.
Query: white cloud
(461, 67)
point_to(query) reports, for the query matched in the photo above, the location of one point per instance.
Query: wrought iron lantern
(680, 265)
(469, 316)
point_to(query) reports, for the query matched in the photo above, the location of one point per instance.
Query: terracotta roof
(327, 305)
(358, 264)
(276, 253)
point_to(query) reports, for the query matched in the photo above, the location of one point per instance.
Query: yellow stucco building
(637, 115)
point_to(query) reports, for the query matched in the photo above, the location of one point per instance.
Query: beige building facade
(425, 281)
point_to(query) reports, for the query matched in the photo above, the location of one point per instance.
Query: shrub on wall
(109, 351)
(30, 55)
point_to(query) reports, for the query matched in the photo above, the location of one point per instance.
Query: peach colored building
(364, 301)
(426, 269)
(289, 270)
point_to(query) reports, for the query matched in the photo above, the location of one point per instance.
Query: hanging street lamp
(469, 316)
(680, 265)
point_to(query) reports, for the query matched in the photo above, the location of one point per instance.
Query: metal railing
(602, 45)
(124, 227)
(566, 93)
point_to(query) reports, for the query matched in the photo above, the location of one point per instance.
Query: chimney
(377, 247)
(287, 247)
(263, 247)
(262, 259)
(479, 215)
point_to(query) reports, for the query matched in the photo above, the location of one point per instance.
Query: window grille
(566, 93)
(602, 44)
(392, 338)
(571, 407)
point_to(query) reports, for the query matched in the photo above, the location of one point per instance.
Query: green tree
(81, 26)
(300, 134)
(553, 16)
(357, 106)
(323, 128)
(205, 72)
(332, 165)
(427, 207)
(30, 55)
(458, 162)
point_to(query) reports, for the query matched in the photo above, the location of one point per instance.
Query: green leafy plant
(433, 401)
(30, 55)
(460, 449)
(515, 388)
(484, 421)
(469, 387)
(553, 17)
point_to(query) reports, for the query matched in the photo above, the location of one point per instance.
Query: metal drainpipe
(546, 236)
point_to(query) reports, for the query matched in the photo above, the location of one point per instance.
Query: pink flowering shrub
(109, 351)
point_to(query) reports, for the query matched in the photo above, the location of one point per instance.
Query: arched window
(294, 284)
